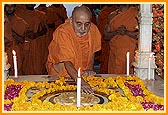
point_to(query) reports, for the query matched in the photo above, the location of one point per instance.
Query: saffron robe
(120, 45)
(34, 63)
(66, 46)
(104, 53)
(19, 26)
(53, 15)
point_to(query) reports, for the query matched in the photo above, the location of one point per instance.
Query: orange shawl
(65, 47)
(34, 51)
(18, 25)
(104, 53)
(120, 45)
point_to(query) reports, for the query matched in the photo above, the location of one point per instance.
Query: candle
(127, 63)
(149, 60)
(79, 89)
(149, 66)
(15, 63)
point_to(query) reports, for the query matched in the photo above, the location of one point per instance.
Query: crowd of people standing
(31, 32)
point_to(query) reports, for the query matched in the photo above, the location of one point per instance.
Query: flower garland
(158, 37)
(117, 102)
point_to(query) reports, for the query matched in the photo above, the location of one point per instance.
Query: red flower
(158, 54)
(157, 22)
(160, 62)
(157, 46)
(155, 14)
(155, 19)
(160, 11)
(157, 30)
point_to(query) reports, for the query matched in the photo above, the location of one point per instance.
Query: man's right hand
(30, 34)
(85, 87)
(122, 30)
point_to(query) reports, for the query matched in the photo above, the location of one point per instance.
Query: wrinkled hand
(122, 30)
(86, 88)
(88, 73)
(30, 35)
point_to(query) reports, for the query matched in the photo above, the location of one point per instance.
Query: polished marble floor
(157, 86)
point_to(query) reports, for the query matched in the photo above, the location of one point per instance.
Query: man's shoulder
(19, 19)
(65, 27)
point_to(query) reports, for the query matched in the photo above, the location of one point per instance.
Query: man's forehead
(81, 16)
(81, 11)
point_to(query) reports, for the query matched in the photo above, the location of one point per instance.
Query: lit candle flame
(14, 53)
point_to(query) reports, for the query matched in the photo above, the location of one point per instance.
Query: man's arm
(134, 34)
(71, 69)
(73, 74)
(42, 31)
(89, 71)
(31, 35)
(18, 38)
(108, 34)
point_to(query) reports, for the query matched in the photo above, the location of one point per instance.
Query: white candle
(15, 63)
(79, 89)
(149, 60)
(149, 66)
(127, 63)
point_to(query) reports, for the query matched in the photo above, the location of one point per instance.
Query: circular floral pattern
(140, 100)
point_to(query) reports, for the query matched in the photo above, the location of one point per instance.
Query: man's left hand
(86, 88)
(88, 73)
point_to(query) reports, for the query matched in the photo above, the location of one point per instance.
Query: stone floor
(157, 86)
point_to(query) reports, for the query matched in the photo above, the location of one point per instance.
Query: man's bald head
(81, 20)
(80, 10)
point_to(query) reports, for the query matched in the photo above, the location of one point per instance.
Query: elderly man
(73, 46)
